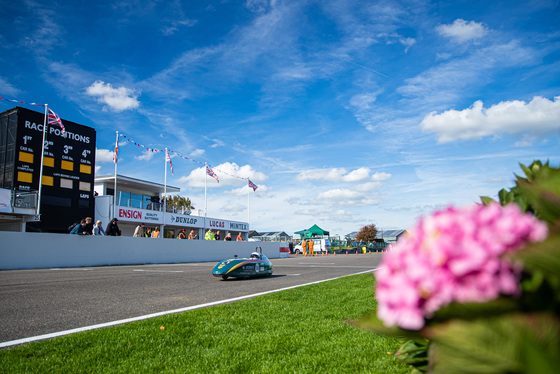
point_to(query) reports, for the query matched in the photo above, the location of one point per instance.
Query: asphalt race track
(45, 301)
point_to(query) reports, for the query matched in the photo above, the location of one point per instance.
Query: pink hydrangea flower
(454, 255)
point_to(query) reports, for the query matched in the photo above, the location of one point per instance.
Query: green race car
(257, 265)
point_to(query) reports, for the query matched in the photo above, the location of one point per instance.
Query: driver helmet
(255, 255)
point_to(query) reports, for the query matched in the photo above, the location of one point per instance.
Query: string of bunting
(20, 102)
(53, 118)
(251, 184)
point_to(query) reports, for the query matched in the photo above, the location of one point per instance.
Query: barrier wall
(20, 250)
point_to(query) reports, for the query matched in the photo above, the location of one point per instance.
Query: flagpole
(248, 206)
(115, 193)
(205, 201)
(164, 195)
(41, 167)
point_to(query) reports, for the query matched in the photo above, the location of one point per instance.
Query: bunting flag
(252, 185)
(116, 154)
(167, 158)
(20, 102)
(54, 119)
(212, 174)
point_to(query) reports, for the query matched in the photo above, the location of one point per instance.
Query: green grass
(302, 330)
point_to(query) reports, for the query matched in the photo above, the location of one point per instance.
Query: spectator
(140, 231)
(155, 232)
(80, 229)
(228, 237)
(89, 226)
(192, 235)
(112, 228)
(182, 234)
(239, 238)
(98, 228)
(217, 236)
(209, 235)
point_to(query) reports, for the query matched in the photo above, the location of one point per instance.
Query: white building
(140, 201)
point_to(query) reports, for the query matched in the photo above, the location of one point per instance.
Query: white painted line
(317, 263)
(159, 271)
(71, 269)
(147, 316)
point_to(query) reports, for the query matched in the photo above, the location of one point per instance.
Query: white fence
(20, 250)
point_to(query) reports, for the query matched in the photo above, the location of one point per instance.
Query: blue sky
(344, 113)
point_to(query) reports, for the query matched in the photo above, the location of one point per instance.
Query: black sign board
(68, 167)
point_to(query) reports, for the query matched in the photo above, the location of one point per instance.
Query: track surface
(37, 302)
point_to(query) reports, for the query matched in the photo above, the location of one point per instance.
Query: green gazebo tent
(312, 231)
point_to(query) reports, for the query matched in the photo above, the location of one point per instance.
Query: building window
(123, 198)
(135, 200)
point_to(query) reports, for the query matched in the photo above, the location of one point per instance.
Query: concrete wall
(41, 250)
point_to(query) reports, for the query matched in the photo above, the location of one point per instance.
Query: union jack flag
(116, 155)
(252, 185)
(54, 119)
(211, 173)
(167, 158)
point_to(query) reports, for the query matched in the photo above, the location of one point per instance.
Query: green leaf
(372, 323)
(507, 344)
(505, 196)
(469, 311)
(487, 200)
(543, 257)
(415, 354)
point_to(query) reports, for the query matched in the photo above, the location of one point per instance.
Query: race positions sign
(68, 165)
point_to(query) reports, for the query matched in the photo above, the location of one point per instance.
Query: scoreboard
(68, 168)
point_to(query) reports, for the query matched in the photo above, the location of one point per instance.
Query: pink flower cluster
(454, 255)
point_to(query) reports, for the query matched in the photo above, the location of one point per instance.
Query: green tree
(179, 202)
(367, 233)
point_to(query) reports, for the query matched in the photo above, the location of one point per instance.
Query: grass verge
(302, 330)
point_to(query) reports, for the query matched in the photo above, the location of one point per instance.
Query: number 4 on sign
(86, 152)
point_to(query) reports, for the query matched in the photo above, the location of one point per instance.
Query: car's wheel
(298, 252)
(224, 277)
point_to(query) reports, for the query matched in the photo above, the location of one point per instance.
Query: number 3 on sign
(67, 148)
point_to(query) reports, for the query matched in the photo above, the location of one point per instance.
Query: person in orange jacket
(304, 246)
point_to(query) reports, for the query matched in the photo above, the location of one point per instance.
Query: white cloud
(175, 25)
(118, 99)
(345, 197)
(462, 31)
(256, 6)
(146, 156)
(7, 89)
(197, 152)
(357, 175)
(242, 191)
(334, 175)
(229, 174)
(380, 176)
(104, 155)
(539, 117)
(363, 101)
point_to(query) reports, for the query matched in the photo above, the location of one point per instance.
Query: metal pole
(115, 190)
(41, 166)
(164, 196)
(205, 201)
